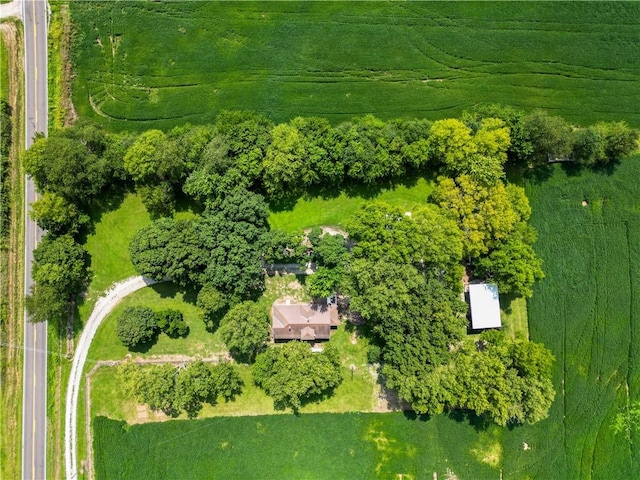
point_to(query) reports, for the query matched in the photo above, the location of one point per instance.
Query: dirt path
(11, 265)
(103, 307)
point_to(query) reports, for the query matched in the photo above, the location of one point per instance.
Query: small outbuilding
(484, 304)
(303, 321)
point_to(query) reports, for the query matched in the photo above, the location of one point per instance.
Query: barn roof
(484, 303)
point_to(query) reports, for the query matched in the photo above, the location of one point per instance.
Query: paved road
(103, 307)
(34, 398)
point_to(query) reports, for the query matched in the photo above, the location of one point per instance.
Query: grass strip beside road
(12, 258)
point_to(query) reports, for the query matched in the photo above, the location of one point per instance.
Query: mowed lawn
(143, 65)
(312, 446)
(108, 246)
(339, 207)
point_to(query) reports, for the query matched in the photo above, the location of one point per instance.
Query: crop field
(313, 446)
(141, 65)
(586, 311)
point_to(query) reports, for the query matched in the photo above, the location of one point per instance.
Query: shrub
(136, 326)
(172, 323)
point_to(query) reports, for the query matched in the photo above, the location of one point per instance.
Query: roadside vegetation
(11, 245)
(308, 59)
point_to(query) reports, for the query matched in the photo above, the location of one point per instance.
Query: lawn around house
(199, 342)
(108, 245)
(355, 394)
(336, 210)
(583, 310)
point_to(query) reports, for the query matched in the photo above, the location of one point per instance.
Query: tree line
(177, 389)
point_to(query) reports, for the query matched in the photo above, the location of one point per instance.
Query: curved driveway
(103, 307)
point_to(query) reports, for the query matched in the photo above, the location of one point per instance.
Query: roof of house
(484, 303)
(303, 321)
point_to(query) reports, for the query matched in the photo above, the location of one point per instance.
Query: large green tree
(233, 158)
(481, 155)
(550, 136)
(170, 249)
(152, 157)
(425, 237)
(381, 231)
(57, 215)
(174, 389)
(64, 166)
(212, 305)
(61, 263)
(513, 265)
(331, 250)
(292, 374)
(233, 231)
(287, 170)
(370, 149)
(486, 215)
(245, 330)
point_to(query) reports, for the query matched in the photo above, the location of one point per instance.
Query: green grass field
(199, 342)
(313, 446)
(357, 393)
(586, 311)
(143, 65)
(337, 209)
(108, 246)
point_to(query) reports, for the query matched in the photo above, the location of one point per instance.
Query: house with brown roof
(303, 321)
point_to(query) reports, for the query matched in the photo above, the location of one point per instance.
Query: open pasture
(141, 65)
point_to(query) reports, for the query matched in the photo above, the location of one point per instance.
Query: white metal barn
(484, 303)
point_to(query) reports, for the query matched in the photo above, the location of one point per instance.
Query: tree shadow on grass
(170, 290)
(99, 207)
(539, 174)
(414, 416)
(607, 168)
(185, 203)
(146, 346)
(479, 423)
(77, 324)
(506, 302)
(572, 169)
(351, 189)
